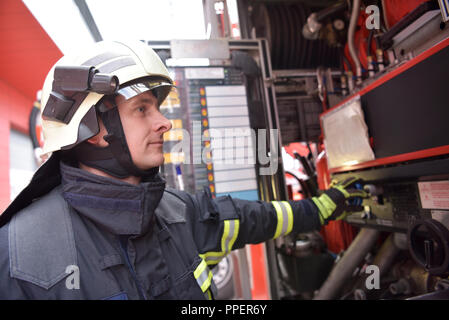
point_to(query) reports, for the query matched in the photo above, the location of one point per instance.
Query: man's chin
(155, 162)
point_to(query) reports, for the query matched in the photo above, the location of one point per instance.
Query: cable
(35, 112)
(351, 34)
(384, 11)
(304, 188)
(370, 40)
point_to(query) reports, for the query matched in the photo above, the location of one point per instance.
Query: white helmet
(77, 83)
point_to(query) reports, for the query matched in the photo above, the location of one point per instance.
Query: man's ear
(95, 139)
(98, 140)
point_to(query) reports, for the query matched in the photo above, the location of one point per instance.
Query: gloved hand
(338, 201)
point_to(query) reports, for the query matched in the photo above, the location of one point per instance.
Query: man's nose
(162, 124)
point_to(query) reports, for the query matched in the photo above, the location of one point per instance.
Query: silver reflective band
(211, 260)
(230, 233)
(203, 276)
(135, 89)
(285, 218)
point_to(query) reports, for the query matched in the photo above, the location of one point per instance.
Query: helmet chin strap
(115, 159)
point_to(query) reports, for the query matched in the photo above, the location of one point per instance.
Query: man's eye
(141, 109)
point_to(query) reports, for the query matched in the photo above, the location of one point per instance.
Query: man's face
(144, 127)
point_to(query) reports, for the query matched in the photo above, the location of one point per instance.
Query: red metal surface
(299, 147)
(14, 111)
(396, 159)
(259, 288)
(397, 9)
(26, 55)
(4, 163)
(322, 171)
(409, 64)
(27, 52)
(361, 43)
(338, 235)
(407, 156)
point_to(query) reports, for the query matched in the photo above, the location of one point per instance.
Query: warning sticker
(434, 195)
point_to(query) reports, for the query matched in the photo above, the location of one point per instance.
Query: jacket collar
(119, 207)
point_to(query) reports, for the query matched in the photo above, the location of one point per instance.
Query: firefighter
(97, 221)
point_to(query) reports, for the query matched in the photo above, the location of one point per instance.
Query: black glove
(334, 203)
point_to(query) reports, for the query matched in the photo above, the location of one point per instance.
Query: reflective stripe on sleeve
(284, 215)
(203, 276)
(213, 258)
(230, 233)
(208, 295)
(231, 230)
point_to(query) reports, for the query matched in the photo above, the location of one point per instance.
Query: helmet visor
(160, 88)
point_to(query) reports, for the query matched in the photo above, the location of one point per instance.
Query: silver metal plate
(212, 49)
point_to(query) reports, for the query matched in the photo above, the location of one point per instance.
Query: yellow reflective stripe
(206, 283)
(327, 203)
(321, 209)
(290, 217)
(212, 254)
(343, 190)
(280, 217)
(208, 295)
(203, 275)
(284, 215)
(212, 260)
(230, 233)
(199, 270)
(231, 230)
(225, 235)
(234, 236)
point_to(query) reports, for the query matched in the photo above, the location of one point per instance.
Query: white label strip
(231, 161)
(237, 153)
(230, 132)
(221, 176)
(231, 186)
(227, 111)
(228, 122)
(214, 91)
(224, 167)
(204, 73)
(434, 195)
(233, 142)
(226, 101)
